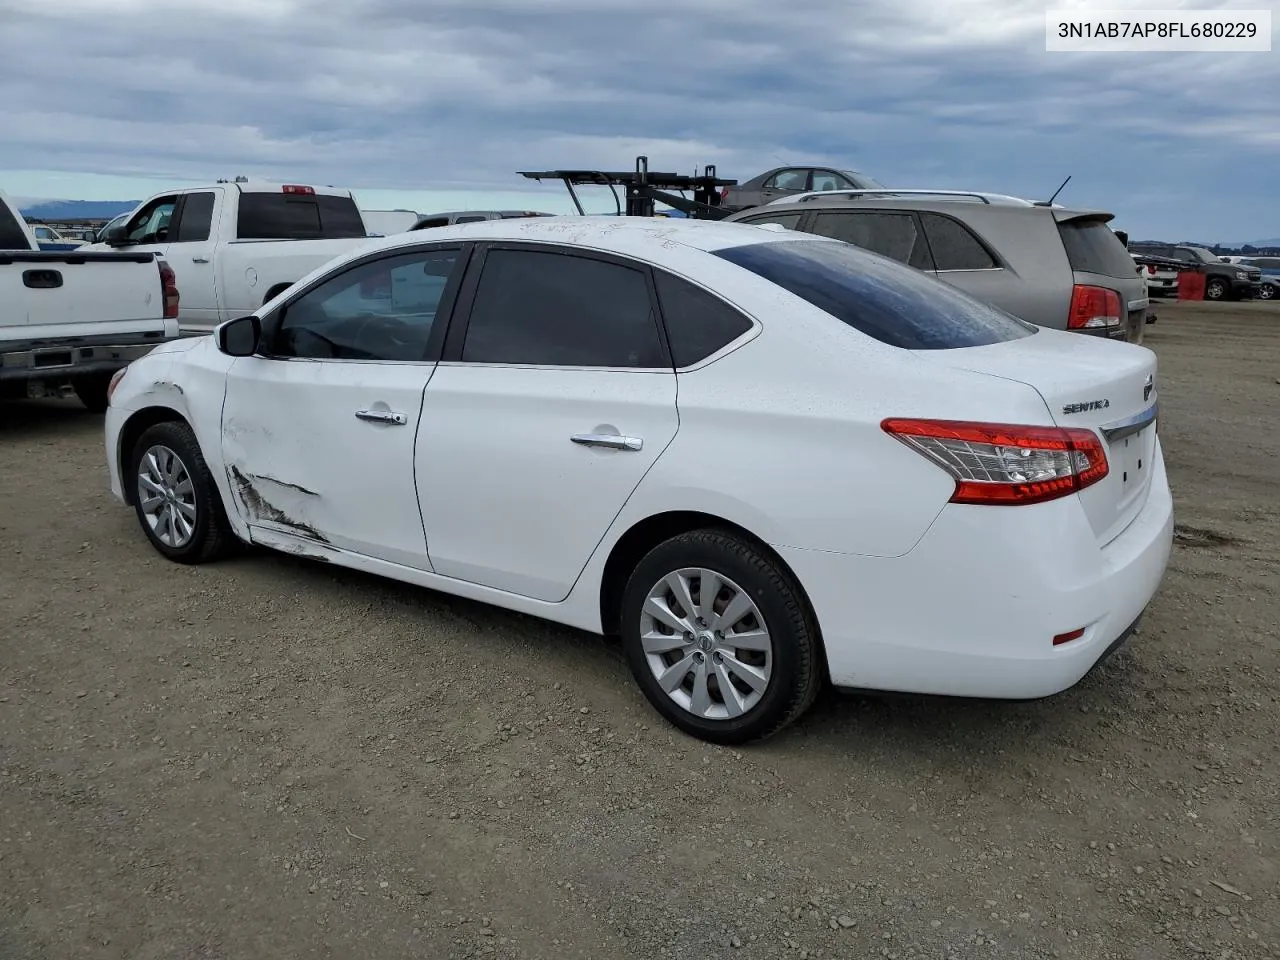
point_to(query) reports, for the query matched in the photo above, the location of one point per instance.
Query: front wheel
(719, 637)
(175, 497)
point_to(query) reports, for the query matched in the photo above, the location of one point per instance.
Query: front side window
(151, 225)
(828, 180)
(789, 180)
(547, 308)
(380, 310)
(888, 301)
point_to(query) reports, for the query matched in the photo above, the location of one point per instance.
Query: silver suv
(1050, 265)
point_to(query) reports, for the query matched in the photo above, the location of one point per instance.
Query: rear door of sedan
(554, 396)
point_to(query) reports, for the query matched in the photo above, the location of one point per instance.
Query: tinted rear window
(889, 301)
(283, 216)
(1093, 248)
(12, 236)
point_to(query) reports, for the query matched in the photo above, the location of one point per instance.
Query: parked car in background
(69, 319)
(1222, 281)
(1161, 279)
(384, 223)
(538, 401)
(1269, 286)
(782, 182)
(50, 239)
(430, 220)
(1056, 267)
(238, 243)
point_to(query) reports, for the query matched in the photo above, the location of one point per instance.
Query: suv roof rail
(891, 192)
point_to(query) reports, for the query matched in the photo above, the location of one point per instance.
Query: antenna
(1049, 202)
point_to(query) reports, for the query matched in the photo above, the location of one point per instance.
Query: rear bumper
(52, 360)
(972, 611)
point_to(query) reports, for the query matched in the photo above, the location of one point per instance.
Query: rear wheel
(719, 637)
(1216, 289)
(175, 497)
(92, 391)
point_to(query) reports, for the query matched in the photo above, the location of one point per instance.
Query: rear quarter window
(885, 300)
(1093, 248)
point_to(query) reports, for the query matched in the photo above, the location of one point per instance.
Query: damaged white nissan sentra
(766, 460)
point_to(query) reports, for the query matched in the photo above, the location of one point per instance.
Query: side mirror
(239, 337)
(115, 236)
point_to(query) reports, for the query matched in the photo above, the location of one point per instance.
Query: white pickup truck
(69, 319)
(236, 244)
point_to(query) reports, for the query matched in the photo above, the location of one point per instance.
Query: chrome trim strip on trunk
(1119, 429)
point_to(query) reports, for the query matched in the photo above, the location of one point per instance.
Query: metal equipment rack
(645, 188)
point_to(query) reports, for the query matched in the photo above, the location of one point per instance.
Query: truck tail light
(1093, 308)
(169, 290)
(298, 188)
(1003, 464)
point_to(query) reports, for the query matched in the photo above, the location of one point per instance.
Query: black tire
(796, 668)
(92, 391)
(1216, 289)
(211, 537)
(1267, 292)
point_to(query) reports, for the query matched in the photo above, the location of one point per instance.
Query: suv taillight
(1004, 464)
(1093, 308)
(169, 290)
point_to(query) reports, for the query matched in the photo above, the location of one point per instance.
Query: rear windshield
(284, 216)
(12, 236)
(1093, 248)
(884, 299)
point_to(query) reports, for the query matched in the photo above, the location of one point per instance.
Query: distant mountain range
(77, 209)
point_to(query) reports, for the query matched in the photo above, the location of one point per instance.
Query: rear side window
(284, 216)
(698, 324)
(1093, 248)
(889, 234)
(554, 309)
(788, 220)
(888, 301)
(12, 236)
(197, 218)
(954, 245)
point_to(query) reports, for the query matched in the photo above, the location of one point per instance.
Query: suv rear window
(285, 216)
(1093, 248)
(885, 300)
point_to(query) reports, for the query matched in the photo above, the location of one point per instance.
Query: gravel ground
(271, 758)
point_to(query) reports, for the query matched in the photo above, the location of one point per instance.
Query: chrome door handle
(199, 259)
(610, 440)
(382, 416)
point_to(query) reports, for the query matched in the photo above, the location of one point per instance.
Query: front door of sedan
(318, 432)
(554, 397)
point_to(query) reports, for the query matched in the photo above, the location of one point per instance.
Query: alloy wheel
(167, 496)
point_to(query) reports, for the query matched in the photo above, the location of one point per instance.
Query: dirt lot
(270, 758)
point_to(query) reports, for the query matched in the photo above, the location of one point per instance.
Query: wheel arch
(133, 428)
(644, 535)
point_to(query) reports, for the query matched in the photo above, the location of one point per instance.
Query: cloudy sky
(436, 103)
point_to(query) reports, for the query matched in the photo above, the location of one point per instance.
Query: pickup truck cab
(238, 243)
(70, 319)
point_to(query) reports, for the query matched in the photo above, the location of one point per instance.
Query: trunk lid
(1091, 382)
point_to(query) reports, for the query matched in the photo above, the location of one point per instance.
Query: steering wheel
(382, 336)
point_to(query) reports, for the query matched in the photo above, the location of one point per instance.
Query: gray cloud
(398, 93)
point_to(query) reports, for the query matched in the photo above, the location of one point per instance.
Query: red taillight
(1003, 463)
(1151, 269)
(1093, 308)
(724, 194)
(298, 188)
(169, 290)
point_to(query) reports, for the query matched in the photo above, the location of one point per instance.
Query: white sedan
(766, 460)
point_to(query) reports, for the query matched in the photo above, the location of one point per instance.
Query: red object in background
(1190, 285)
